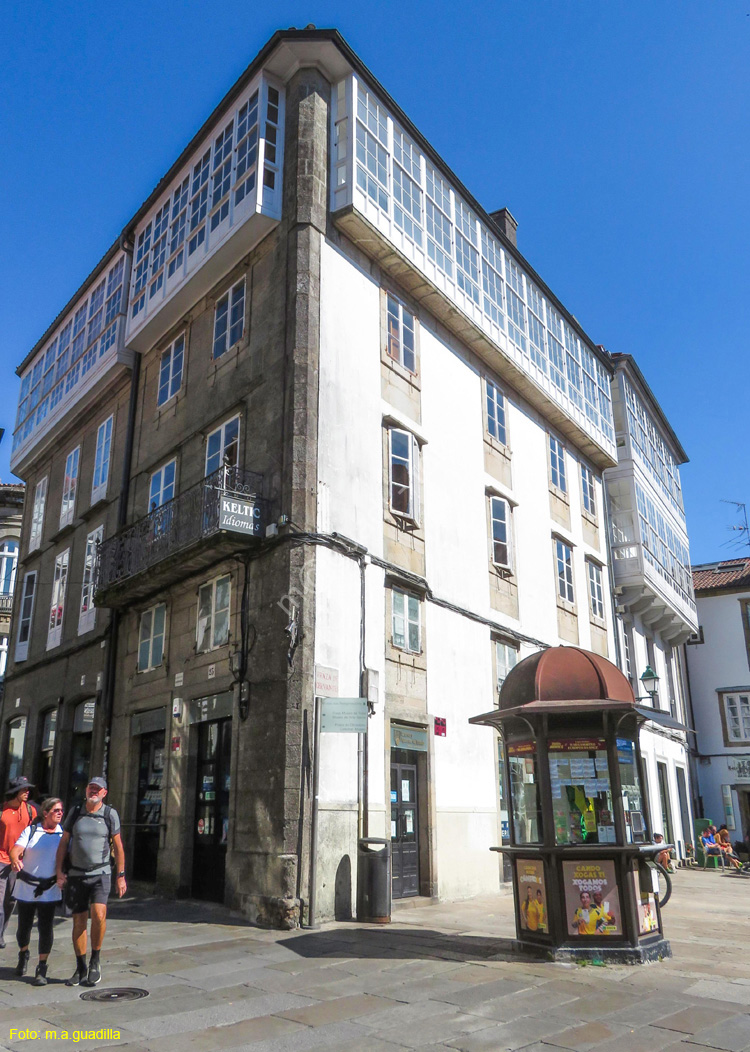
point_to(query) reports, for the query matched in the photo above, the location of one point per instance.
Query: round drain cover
(115, 993)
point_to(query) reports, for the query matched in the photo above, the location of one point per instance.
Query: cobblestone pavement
(438, 977)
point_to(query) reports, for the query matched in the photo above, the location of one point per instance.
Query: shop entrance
(211, 829)
(148, 810)
(404, 824)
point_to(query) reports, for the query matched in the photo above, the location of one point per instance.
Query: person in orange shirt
(17, 813)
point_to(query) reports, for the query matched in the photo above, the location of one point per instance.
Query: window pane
(527, 814)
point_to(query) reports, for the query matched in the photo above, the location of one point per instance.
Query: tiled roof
(732, 573)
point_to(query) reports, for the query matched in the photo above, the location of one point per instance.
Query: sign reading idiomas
(239, 516)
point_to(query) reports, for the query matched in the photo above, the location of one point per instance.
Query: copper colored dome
(565, 675)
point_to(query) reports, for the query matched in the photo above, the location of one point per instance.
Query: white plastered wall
(458, 651)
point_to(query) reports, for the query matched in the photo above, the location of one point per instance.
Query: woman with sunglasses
(36, 890)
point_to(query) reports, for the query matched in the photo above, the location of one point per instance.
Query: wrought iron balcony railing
(176, 526)
(6, 603)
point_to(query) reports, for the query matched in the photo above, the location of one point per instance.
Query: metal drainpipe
(610, 565)
(108, 688)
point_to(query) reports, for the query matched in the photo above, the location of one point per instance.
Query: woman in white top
(36, 890)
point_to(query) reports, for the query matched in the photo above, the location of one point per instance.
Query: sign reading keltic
(239, 516)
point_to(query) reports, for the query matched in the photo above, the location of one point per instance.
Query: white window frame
(557, 474)
(154, 503)
(506, 659)
(37, 515)
(221, 430)
(4, 642)
(170, 374)
(497, 426)
(209, 590)
(156, 641)
(402, 621)
(8, 565)
(25, 619)
(596, 590)
(229, 319)
(500, 521)
(564, 571)
(57, 599)
(70, 487)
(741, 703)
(87, 610)
(102, 460)
(411, 486)
(396, 342)
(588, 491)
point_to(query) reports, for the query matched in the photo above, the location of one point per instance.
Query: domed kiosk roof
(566, 681)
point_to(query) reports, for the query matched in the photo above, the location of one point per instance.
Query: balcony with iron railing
(6, 604)
(181, 537)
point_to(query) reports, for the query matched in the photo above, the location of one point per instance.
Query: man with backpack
(17, 814)
(91, 832)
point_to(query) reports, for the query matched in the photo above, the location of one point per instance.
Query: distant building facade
(719, 665)
(656, 610)
(11, 514)
(356, 447)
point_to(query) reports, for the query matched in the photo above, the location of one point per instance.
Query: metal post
(312, 921)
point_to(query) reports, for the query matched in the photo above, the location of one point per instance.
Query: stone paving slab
(732, 1035)
(442, 977)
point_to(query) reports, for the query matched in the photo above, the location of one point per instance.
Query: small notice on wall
(440, 727)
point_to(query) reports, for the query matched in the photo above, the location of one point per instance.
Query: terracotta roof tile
(731, 573)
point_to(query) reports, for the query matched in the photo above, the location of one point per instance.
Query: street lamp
(650, 682)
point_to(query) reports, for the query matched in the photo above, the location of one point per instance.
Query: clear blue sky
(617, 132)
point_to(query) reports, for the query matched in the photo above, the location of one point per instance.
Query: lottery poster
(532, 895)
(592, 903)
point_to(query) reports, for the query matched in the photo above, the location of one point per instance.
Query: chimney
(507, 224)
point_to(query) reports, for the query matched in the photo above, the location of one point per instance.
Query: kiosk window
(581, 791)
(632, 801)
(524, 791)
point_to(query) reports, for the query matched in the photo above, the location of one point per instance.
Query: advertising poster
(532, 894)
(648, 920)
(592, 902)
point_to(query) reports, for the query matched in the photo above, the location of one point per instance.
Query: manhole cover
(115, 993)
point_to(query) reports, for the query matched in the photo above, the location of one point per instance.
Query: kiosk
(580, 829)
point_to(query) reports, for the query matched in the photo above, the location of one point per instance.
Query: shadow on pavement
(400, 943)
(152, 908)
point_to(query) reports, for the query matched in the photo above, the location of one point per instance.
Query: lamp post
(650, 682)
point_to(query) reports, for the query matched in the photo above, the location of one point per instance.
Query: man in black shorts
(88, 831)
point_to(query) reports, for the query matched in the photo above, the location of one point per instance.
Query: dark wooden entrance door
(148, 811)
(211, 829)
(404, 830)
